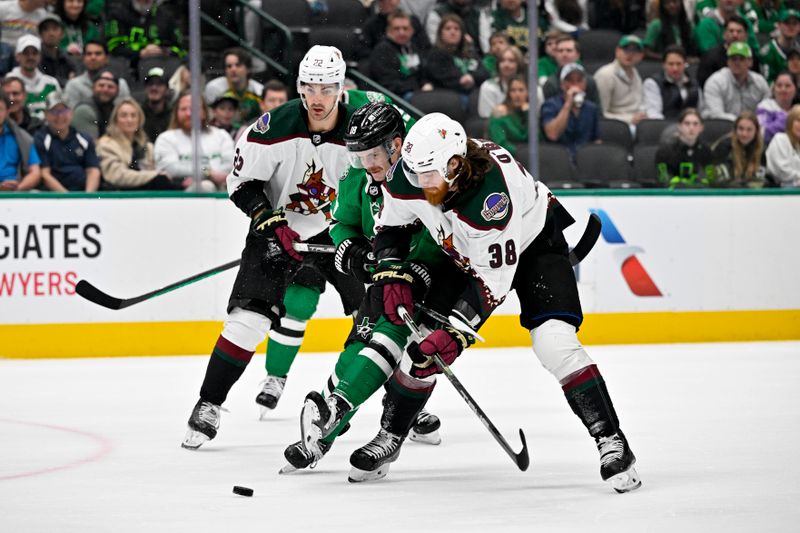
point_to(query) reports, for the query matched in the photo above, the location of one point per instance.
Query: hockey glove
(447, 342)
(398, 284)
(272, 225)
(355, 257)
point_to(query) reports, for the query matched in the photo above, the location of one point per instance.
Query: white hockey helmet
(322, 64)
(431, 143)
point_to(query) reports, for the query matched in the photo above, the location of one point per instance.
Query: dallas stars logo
(364, 328)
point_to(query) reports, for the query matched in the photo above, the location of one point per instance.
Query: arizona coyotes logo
(313, 196)
(447, 245)
(408, 147)
(443, 133)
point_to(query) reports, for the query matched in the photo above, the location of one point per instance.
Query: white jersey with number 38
(486, 228)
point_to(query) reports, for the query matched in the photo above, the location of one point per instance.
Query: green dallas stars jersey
(360, 199)
(773, 59)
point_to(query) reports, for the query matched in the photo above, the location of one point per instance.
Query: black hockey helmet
(372, 125)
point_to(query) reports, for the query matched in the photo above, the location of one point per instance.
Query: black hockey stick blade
(521, 459)
(95, 295)
(587, 240)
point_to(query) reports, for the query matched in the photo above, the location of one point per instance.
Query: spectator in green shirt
(512, 18)
(547, 64)
(708, 32)
(672, 26)
(79, 26)
(498, 42)
(768, 12)
(508, 124)
(773, 54)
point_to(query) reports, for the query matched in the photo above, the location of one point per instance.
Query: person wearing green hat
(773, 54)
(734, 88)
(619, 84)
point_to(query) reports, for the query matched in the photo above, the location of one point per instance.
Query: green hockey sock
(362, 378)
(285, 339)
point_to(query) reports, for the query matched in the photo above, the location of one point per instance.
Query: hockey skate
(298, 457)
(271, 390)
(617, 463)
(319, 418)
(426, 429)
(203, 424)
(371, 462)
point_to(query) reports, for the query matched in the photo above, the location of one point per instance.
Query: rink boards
(669, 267)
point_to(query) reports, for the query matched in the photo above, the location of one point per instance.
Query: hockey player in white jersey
(285, 176)
(503, 229)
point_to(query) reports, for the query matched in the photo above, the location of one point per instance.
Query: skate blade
(433, 438)
(287, 469)
(359, 476)
(194, 439)
(626, 481)
(263, 413)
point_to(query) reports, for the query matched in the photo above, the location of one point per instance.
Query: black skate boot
(319, 418)
(271, 390)
(426, 429)
(617, 463)
(372, 461)
(298, 457)
(203, 424)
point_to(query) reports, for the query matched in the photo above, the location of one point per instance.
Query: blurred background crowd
(660, 93)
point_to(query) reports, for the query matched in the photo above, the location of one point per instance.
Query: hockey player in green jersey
(301, 302)
(284, 178)
(374, 137)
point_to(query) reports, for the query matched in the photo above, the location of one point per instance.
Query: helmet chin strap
(450, 181)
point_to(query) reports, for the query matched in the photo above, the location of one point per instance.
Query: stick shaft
(521, 459)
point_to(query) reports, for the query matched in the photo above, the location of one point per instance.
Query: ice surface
(93, 445)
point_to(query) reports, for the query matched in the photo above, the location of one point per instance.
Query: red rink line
(105, 446)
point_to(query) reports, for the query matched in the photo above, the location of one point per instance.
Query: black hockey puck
(242, 491)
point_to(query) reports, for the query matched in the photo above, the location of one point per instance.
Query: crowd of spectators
(95, 93)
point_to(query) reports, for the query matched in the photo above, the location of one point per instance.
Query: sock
(588, 397)
(226, 365)
(405, 398)
(285, 339)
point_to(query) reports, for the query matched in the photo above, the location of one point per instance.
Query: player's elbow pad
(392, 243)
(250, 197)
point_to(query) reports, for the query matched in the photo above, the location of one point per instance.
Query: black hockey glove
(355, 257)
(447, 342)
(272, 225)
(398, 283)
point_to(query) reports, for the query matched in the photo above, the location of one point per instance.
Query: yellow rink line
(326, 335)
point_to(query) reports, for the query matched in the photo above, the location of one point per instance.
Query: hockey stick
(455, 322)
(587, 240)
(95, 295)
(521, 459)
